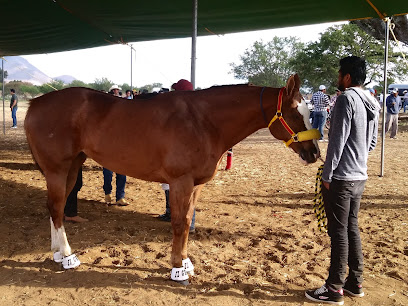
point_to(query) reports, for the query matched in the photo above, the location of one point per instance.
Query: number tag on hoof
(70, 262)
(188, 266)
(58, 257)
(179, 274)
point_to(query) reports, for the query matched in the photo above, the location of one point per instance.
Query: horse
(177, 138)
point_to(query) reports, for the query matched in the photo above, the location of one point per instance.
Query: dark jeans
(319, 120)
(342, 203)
(71, 207)
(120, 183)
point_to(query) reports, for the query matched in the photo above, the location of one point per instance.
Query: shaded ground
(256, 242)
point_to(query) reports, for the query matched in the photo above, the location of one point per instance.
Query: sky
(165, 61)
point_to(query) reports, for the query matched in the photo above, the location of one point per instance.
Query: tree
(319, 62)
(78, 83)
(1, 75)
(150, 87)
(267, 64)
(51, 86)
(101, 84)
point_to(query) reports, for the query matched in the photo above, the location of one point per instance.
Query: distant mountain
(19, 69)
(65, 78)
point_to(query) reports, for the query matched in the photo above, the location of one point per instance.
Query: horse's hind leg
(181, 215)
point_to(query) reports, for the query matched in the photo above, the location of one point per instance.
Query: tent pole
(194, 43)
(387, 35)
(4, 115)
(131, 68)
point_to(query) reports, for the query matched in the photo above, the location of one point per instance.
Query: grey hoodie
(353, 133)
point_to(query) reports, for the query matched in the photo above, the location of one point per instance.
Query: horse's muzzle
(309, 156)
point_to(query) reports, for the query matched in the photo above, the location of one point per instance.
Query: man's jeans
(342, 203)
(120, 183)
(71, 206)
(319, 120)
(14, 115)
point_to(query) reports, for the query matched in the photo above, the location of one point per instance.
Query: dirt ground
(256, 239)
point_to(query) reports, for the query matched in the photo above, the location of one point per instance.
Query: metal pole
(387, 35)
(131, 68)
(4, 114)
(194, 43)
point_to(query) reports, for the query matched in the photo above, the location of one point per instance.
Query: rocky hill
(19, 69)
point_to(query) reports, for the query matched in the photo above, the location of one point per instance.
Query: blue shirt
(392, 104)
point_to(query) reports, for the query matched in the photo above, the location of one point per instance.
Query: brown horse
(176, 138)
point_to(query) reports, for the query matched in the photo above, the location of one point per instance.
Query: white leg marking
(64, 247)
(54, 238)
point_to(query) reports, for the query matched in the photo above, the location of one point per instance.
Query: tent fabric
(42, 26)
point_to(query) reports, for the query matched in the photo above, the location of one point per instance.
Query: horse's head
(292, 125)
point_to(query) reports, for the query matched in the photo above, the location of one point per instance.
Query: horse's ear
(293, 85)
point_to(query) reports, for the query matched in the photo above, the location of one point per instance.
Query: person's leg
(120, 186)
(192, 226)
(337, 206)
(167, 194)
(14, 115)
(394, 125)
(387, 122)
(322, 123)
(167, 214)
(355, 259)
(71, 207)
(107, 181)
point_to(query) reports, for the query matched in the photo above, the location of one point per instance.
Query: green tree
(51, 86)
(318, 63)
(1, 75)
(101, 84)
(267, 64)
(150, 87)
(78, 83)
(29, 90)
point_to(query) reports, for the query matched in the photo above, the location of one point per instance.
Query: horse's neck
(237, 118)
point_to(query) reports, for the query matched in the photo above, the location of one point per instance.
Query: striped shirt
(320, 101)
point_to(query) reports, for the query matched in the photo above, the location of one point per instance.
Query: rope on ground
(318, 204)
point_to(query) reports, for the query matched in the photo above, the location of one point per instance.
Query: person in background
(129, 94)
(405, 99)
(354, 134)
(320, 101)
(71, 206)
(13, 107)
(393, 107)
(334, 98)
(181, 85)
(107, 174)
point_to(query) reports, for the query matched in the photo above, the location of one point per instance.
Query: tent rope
(392, 26)
(382, 16)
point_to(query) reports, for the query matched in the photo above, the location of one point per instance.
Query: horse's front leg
(181, 214)
(56, 185)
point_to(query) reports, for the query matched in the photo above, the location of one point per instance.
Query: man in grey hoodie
(353, 133)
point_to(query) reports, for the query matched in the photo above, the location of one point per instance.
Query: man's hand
(326, 185)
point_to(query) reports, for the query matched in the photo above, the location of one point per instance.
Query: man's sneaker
(14, 127)
(354, 290)
(325, 294)
(108, 199)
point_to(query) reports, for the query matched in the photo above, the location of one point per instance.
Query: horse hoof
(70, 262)
(58, 257)
(184, 282)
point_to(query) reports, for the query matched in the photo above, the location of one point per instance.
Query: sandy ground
(256, 243)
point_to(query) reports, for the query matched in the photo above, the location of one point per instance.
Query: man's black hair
(12, 90)
(356, 67)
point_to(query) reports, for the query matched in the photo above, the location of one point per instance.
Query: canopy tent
(43, 26)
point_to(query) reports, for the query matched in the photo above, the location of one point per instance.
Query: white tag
(70, 262)
(179, 274)
(58, 257)
(188, 266)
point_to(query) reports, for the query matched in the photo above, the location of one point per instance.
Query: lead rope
(318, 204)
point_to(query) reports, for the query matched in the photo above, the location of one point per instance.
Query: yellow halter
(295, 137)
